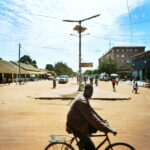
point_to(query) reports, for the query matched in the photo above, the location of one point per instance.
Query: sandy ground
(26, 123)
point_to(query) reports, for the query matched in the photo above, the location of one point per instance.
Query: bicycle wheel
(59, 146)
(120, 146)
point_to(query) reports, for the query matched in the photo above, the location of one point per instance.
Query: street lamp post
(80, 29)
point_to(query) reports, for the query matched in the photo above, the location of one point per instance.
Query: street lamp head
(79, 21)
(90, 17)
(70, 21)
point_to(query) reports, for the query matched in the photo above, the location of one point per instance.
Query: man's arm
(92, 118)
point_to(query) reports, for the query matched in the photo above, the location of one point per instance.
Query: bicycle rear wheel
(120, 146)
(59, 146)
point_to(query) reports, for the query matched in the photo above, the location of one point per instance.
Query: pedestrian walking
(113, 80)
(135, 87)
(91, 80)
(96, 80)
(117, 80)
(54, 83)
(77, 79)
(84, 78)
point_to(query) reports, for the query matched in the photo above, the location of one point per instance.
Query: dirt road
(26, 123)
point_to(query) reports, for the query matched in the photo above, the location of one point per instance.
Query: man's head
(88, 91)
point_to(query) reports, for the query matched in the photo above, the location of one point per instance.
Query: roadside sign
(86, 65)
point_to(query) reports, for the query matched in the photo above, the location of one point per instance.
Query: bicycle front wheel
(120, 146)
(59, 146)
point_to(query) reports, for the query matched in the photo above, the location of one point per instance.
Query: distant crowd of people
(95, 79)
(92, 79)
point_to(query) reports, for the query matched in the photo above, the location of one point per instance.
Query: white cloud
(50, 31)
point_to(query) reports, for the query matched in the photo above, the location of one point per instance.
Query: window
(117, 50)
(127, 50)
(117, 55)
(128, 61)
(131, 50)
(122, 50)
(122, 55)
(135, 50)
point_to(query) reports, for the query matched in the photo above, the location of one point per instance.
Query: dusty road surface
(26, 123)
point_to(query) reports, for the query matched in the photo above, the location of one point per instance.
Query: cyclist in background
(82, 120)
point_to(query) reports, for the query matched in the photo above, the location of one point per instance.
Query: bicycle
(64, 142)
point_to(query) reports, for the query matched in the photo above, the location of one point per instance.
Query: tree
(49, 67)
(1, 59)
(108, 66)
(88, 72)
(95, 71)
(62, 68)
(27, 60)
(33, 63)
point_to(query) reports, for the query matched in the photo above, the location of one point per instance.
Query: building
(9, 71)
(141, 65)
(122, 54)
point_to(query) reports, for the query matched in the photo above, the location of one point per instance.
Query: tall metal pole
(80, 77)
(19, 63)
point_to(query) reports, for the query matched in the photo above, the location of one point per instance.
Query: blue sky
(37, 25)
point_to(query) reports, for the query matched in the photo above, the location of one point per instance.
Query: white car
(63, 79)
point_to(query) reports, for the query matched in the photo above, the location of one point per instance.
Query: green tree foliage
(27, 60)
(88, 72)
(62, 68)
(1, 59)
(49, 67)
(95, 71)
(34, 64)
(108, 66)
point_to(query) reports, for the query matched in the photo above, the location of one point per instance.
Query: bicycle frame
(68, 143)
(95, 135)
(101, 135)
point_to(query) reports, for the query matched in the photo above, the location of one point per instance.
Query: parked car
(104, 77)
(63, 79)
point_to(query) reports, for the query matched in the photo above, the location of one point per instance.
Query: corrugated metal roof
(27, 67)
(8, 67)
(13, 68)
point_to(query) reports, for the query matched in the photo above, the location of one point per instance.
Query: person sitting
(82, 120)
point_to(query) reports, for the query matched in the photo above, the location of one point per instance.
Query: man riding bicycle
(82, 120)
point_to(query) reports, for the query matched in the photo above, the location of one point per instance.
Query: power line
(40, 15)
(52, 17)
(25, 50)
(125, 24)
(129, 18)
(124, 40)
(25, 12)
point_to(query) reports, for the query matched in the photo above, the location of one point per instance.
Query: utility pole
(80, 77)
(19, 63)
(80, 29)
(109, 44)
